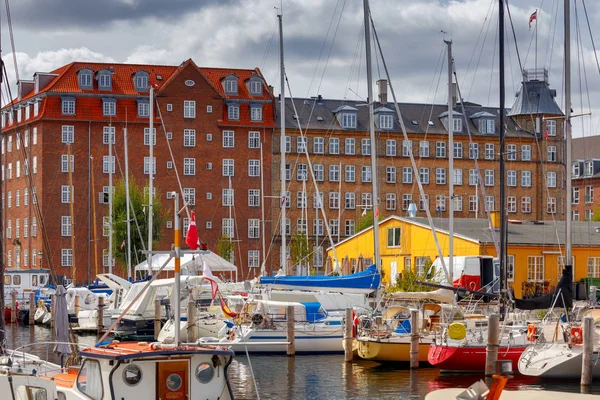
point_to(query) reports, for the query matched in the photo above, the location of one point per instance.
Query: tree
(365, 221)
(300, 249)
(225, 248)
(409, 279)
(139, 203)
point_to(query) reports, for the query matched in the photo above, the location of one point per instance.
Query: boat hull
(394, 350)
(555, 361)
(469, 358)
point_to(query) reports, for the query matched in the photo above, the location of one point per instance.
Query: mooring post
(588, 349)
(52, 309)
(77, 300)
(348, 336)
(414, 339)
(290, 324)
(491, 355)
(157, 324)
(13, 308)
(191, 320)
(593, 296)
(100, 321)
(31, 308)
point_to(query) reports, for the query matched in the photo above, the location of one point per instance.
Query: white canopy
(190, 262)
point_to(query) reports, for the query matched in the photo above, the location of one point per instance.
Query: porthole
(132, 375)
(174, 382)
(190, 82)
(205, 372)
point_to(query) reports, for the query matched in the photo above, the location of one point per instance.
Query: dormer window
(386, 121)
(85, 79)
(109, 107)
(68, 105)
(255, 87)
(348, 120)
(233, 111)
(105, 80)
(36, 108)
(457, 124)
(589, 168)
(230, 84)
(256, 112)
(10, 116)
(576, 169)
(19, 112)
(140, 81)
(27, 111)
(487, 125)
(143, 108)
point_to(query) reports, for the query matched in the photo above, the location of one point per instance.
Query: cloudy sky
(324, 44)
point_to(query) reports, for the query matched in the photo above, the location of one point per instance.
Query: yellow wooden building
(534, 255)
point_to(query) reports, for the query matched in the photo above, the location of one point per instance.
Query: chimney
(382, 85)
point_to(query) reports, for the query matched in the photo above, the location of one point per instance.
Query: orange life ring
(576, 335)
(531, 332)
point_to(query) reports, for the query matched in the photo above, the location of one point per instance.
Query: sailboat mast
(71, 193)
(150, 179)
(2, 231)
(450, 165)
(567, 130)
(375, 193)
(110, 201)
(262, 211)
(94, 220)
(126, 154)
(282, 199)
(503, 227)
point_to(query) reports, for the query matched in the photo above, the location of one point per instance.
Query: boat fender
(457, 331)
(531, 332)
(576, 335)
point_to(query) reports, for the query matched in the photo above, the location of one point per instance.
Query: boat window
(89, 380)
(62, 396)
(34, 280)
(42, 279)
(205, 372)
(132, 375)
(17, 280)
(31, 393)
(7, 279)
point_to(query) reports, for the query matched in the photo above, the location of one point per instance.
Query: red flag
(546, 134)
(191, 238)
(355, 324)
(122, 245)
(377, 211)
(532, 17)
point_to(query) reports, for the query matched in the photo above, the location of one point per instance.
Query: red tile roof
(216, 75)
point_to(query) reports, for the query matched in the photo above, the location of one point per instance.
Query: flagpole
(536, 39)
(127, 201)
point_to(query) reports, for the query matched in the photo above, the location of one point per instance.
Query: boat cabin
(477, 273)
(24, 281)
(275, 311)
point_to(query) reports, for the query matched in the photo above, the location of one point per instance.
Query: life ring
(576, 335)
(531, 332)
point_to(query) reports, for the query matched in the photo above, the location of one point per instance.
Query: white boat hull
(558, 361)
(205, 327)
(39, 315)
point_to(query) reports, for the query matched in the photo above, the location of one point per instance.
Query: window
(350, 146)
(406, 148)
(594, 267)
(68, 134)
(390, 201)
(457, 122)
(254, 228)
(511, 152)
(143, 108)
(511, 204)
(231, 85)
(105, 262)
(109, 107)
(473, 204)
(575, 198)
(334, 227)
(255, 87)
(424, 148)
(65, 226)
(67, 259)
(406, 200)
(510, 268)
(334, 146)
(551, 205)
(440, 149)
(253, 197)
(105, 81)
(189, 109)
(18, 169)
(334, 200)
(575, 172)
(350, 201)
(458, 205)
(301, 200)
(189, 196)
(526, 178)
(393, 237)
(89, 380)
(489, 177)
(458, 176)
(489, 203)
(253, 167)
(365, 147)
(288, 144)
(458, 148)
(319, 145)
(147, 136)
(317, 200)
(255, 112)
(318, 227)
(147, 165)
(386, 121)
(551, 127)
(65, 163)
(535, 268)
(551, 153)
(301, 225)
(319, 171)
(349, 120)
(390, 147)
(141, 82)
(366, 174)
(25, 196)
(440, 203)
(228, 167)
(208, 137)
(65, 194)
(589, 166)
(253, 140)
(421, 263)
(366, 200)
(85, 80)
(301, 172)
(68, 106)
(17, 229)
(189, 166)
(189, 138)
(589, 194)
(589, 215)
(301, 144)
(526, 205)
(288, 172)
(440, 176)
(228, 139)
(349, 227)
(227, 227)
(473, 151)
(407, 175)
(34, 226)
(334, 173)
(253, 258)
(108, 136)
(551, 179)
(9, 229)
(390, 174)
(525, 152)
(489, 151)
(511, 178)
(424, 175)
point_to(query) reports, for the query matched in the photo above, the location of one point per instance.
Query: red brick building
(586, 178)
(214, 121)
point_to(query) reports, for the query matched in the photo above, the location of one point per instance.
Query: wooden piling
(157, 324)
(191, 320)
(348, 337)
(290, 319)
(100, 321)
(77, 300)
(52, 310)
(31, 308)
(13, 308)
(414, 339)
(491, 356)
(588, 349)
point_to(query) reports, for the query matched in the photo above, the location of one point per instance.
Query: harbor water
(314, 376)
